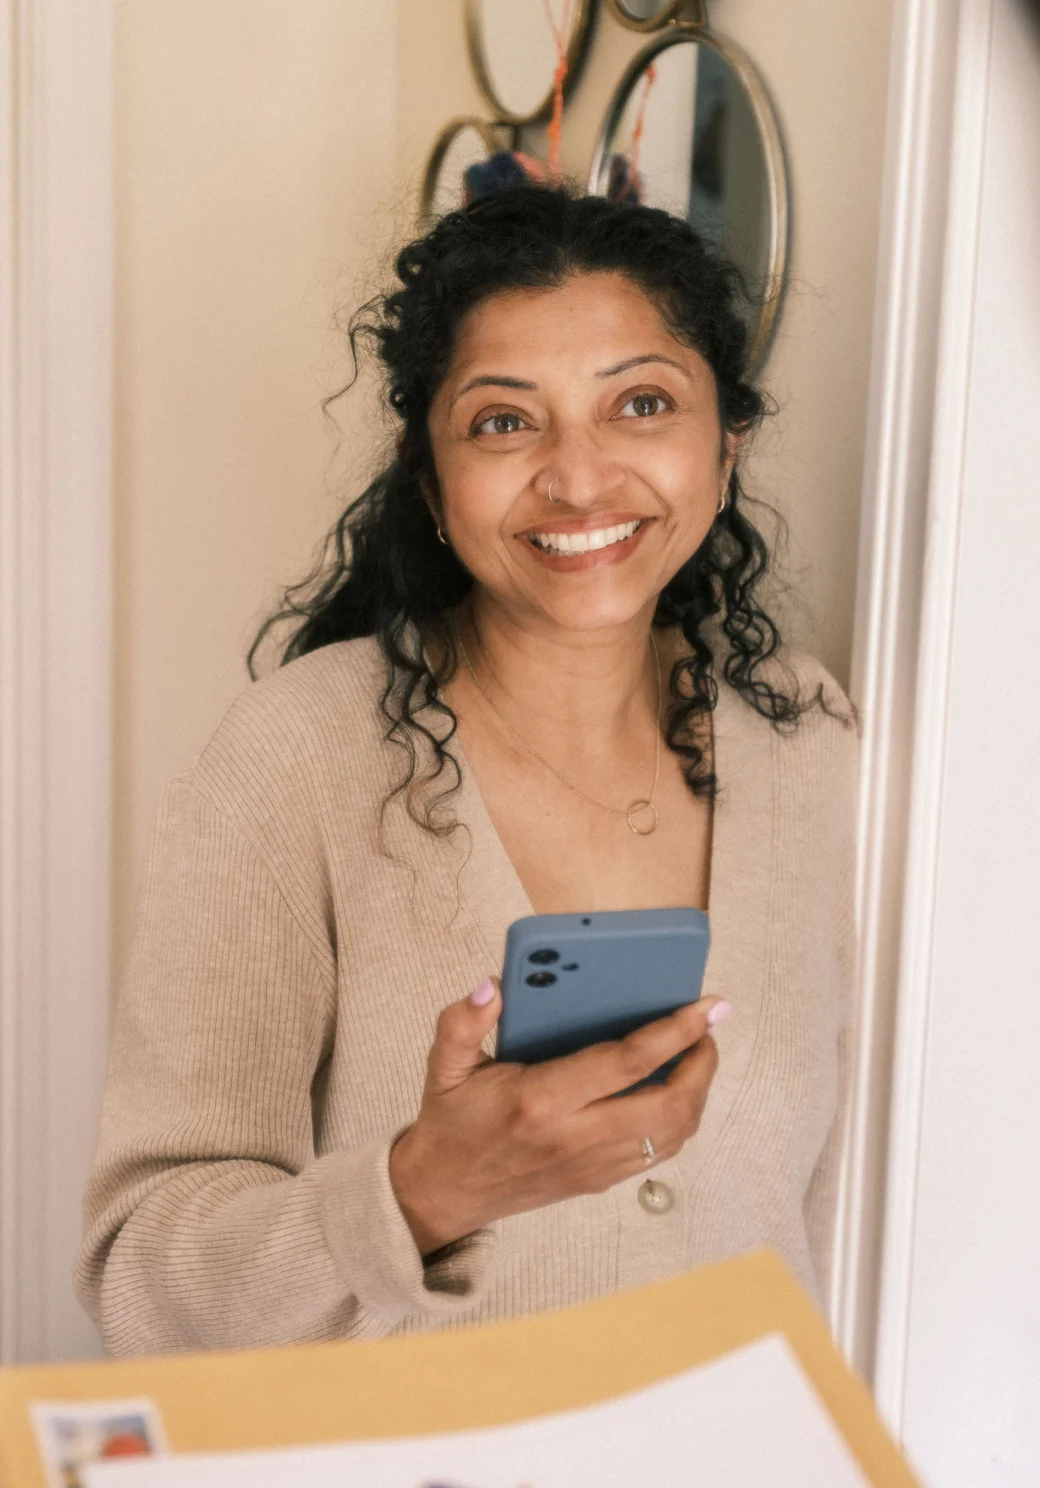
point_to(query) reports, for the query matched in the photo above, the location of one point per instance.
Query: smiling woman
(551, 579)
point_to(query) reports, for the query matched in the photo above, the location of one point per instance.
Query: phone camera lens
(541, 979)
(569, 966)
(544, 958)
(586, 920)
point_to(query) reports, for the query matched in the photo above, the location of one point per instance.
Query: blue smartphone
(571, 980)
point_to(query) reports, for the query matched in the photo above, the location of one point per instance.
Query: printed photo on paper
(72, 1436)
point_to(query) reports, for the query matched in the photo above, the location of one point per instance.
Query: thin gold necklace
(641, 808)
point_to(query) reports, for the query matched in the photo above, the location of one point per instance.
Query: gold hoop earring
(722, 505)
(443, 539)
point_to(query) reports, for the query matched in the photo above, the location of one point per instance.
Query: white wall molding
(56, 261)
(897, 530)
(915, 984)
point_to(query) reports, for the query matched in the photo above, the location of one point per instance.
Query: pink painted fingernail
(718, 1012)
(482, 995)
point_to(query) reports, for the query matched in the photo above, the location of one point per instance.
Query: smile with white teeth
(583, 542)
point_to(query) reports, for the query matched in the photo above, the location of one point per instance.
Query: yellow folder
(473, 1377)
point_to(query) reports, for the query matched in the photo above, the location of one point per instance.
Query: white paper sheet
(749, 1418)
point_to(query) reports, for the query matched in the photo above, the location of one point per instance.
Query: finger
(696, 1069)
(461, 1030)
(607, 1068)
(668, 1114)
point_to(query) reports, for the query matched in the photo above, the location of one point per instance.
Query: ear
(432, 497)
(731, 447)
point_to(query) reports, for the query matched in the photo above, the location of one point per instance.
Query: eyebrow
(500, 380)
(495, 380)
(641, 361)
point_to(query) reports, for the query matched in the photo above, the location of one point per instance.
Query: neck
(588, 687)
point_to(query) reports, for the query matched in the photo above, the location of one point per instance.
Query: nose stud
(551, 496)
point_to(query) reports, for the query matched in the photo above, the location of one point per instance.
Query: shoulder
(336, 686)
(822, 744)
(280, 735)
(804, 677)
(803, 774)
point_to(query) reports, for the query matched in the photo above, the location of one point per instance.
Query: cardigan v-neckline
(489, 880)
(488, 860)
(740, 908)
(741, 832)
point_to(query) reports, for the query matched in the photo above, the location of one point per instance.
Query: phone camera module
(544, 957)
(541, 979)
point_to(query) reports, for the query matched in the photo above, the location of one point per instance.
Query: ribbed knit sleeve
(211, 1221)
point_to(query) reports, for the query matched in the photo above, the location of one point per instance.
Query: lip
(586, 524)
(600, 557)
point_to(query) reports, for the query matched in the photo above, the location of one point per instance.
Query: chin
(586, 613)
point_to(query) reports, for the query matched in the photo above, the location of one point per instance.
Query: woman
(302, 1136)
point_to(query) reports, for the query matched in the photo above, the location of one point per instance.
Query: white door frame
(901, 662)
(56, 315)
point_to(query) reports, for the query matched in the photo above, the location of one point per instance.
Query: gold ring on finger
(649, 1154)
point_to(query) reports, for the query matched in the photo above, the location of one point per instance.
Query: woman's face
(584, 386)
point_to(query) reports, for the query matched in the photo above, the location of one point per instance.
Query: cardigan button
(656, 1198)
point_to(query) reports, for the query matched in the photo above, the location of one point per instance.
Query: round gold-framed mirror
(513, 52)
(690, 128)
(651, 15)
(461, 143)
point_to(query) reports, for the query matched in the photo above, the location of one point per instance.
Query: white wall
(968, 1401)
(254, 158)
(55, 651)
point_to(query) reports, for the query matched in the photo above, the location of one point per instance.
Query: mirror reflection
(464, 143)
(684, 134)
(513, 44)
(643, 10)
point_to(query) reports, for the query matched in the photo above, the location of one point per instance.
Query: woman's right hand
(497, 1139)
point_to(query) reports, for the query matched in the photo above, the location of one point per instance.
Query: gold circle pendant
(647, 810)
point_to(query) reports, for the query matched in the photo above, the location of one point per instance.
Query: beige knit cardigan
(286, 974)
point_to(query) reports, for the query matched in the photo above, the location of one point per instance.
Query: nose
(580, 470)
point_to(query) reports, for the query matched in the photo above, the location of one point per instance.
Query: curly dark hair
(383, 572)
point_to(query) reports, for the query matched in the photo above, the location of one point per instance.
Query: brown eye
(644, 405)
(499, 423)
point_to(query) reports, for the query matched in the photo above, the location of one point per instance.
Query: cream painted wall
(826, 65)
(254, 163)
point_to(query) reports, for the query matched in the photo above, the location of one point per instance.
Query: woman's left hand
(494, 1139)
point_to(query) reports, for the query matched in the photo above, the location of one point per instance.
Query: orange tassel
(560, 34)
(637, 132)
